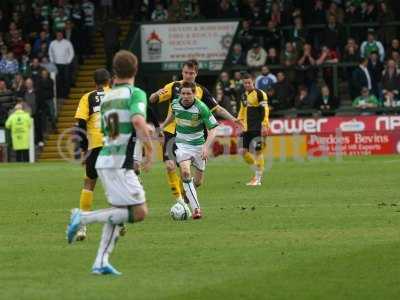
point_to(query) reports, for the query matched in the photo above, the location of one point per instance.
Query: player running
(91, 138)
(168, 93)
(254, 115)
(191, 116)
(123, 118)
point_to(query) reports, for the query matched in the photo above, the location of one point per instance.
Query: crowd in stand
(39, 38)
(291, 47)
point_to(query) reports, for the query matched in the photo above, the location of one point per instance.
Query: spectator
(335, 10)
(394, 46)
(7, 101)
(35, 70)
(305, 66)
(360, 78)
(256, 56)
(365, 100)
(44, 51)
(375, 69)
(353, 15)
(9, 65)
(385, 15)
(18, 85)
(298, 35)
(49, 66)
(226, 10)
(256, 15)
(17, 45)
(368, 11)
(391, 84)
(272, 57)
(88, 28)
(43, 38)
(284, 92)
(238, 88)
(351, 54)
(328, 56)
(61, 53)
(326, 102)
(28, 51)
(60, 20)
(74, 35)
(272, 36)
(225, 101)
(265, 80)
(111, 33)
(19, 122)
(246, 35)
(159, 14)
(351, 51)
(30, 98)
(318, 14)
(226, 85)
(34, 24)
(276, 14)
(190, 9)
(45, 95)
(237, 57)
(332, 34)
(175, 13)
(372, 45)
(303, 99)
(396, 57)
(289, 55)
(77, 15)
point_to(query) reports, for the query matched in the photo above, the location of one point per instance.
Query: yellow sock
(86, 200)
(175, 184)
(249, 158)
(260, 162)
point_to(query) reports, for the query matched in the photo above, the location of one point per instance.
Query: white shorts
(192, 153)
(138, 151)
(122, 187)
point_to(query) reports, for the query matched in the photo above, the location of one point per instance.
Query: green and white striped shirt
(117, 108)
(190, 122)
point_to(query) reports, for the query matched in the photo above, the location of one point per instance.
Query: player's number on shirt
(112, 121)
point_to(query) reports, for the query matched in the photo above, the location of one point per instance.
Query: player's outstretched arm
(155, 97)
(224, 114)
(143, 133)
(170, 118)
(212, 133)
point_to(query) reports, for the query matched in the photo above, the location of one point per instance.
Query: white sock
(191, 194)
(258, 175)
(108, 240)
(111, 215)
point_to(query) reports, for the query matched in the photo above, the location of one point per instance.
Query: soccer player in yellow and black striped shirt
(253, 114)
(91, 137)
(170, 92)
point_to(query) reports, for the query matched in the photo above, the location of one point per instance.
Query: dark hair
(363, 60)
(247, 75)
(189, 85)
(125, 64)
(192, 64)
(101, 76)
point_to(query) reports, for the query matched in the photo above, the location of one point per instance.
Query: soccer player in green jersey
(123, 120)
(191, 116)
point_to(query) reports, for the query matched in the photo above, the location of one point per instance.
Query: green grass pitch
(314, 230)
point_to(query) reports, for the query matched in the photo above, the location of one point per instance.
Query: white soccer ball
(180, 212)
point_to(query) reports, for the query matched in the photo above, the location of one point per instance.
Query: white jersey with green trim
(191, 121)
(117, 108)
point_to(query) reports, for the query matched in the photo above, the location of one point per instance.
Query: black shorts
(90, 163)
(169, 146)
(253, 140)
